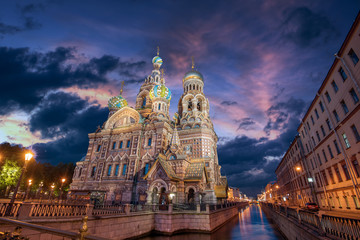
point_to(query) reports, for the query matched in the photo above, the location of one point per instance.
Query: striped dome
(160, 91)
(193, 74)
(117, 102)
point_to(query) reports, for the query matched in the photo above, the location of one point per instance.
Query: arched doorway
(163, 199)
(191, 196)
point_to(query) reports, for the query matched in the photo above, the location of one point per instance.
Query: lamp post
(28, 156)
(61, 188)
(28, 189)
(298, 169)
(52, 190)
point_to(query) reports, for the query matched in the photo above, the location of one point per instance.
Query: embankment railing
(331, 226)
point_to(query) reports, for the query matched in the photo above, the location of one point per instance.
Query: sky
(262, 61)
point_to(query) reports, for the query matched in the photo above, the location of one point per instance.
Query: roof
(165, 165)
(220, 191)
(195, 171)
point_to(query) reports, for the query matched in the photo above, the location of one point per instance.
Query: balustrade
(14, 210)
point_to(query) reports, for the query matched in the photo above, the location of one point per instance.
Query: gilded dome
(157, 62)
(117, 102)
(193, 74)
(160, 91)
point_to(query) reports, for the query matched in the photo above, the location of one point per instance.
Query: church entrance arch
(191, 196)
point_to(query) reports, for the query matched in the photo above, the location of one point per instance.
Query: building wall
(329, 135)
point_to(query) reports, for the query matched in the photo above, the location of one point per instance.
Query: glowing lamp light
(284, 198)
(53, 186)
(277, 186)
(298, 168)
(172, 195)
(310, 179)
(28, 156)
(30, 182)
(63, 180)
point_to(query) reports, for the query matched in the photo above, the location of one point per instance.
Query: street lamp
(298, 168)
(61, 188)
(28, 156)
(52, 190)
(28, 189)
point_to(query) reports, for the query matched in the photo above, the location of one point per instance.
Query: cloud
(229, 103)
(67, 119)
(304, 27)
(27, 76)
(245, 123)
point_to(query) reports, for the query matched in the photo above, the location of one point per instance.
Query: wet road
(251, 223)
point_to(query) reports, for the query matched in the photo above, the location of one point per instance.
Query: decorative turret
(193, 80)
(160, 96)
(117, 102)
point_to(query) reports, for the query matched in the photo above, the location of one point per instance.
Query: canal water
(251, 223)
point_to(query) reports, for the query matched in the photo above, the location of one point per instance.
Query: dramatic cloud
(245, 123)
(27, 76)
(304, 27)
(67, 119)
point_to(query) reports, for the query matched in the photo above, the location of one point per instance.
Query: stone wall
(137, 223)
(290, 228)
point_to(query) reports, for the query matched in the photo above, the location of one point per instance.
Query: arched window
(159, 106)
(199, 105)
(143, 102)
(197, 87)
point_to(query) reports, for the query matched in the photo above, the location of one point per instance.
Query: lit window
(345, 108)
(121, 144)
(346, 140)
(114, 145)
(343, 74)
(128, 144)
(335, 87)
(353, 56)
(356, 133)
(149, 142)
(98, 148)
(354, 96)
(336, 116)
(327, 95)
(337, 147)
(321, 106)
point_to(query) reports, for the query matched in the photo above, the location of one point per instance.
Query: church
(141, 155)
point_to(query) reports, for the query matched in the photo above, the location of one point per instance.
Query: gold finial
(158, 50)
(122, 86)
(192, 63)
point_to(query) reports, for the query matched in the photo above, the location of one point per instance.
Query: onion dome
(117, 102)
(157, 61)
(193, 74)
(160, 91)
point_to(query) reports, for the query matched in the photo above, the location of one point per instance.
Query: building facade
(329, 134)
(141, 155)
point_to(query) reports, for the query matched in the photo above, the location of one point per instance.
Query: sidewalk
(354, 214)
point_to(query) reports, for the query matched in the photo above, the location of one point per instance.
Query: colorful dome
(160, 91)
(193, 74)
(117, 102)
(157, 62)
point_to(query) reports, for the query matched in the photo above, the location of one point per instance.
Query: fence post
(127, 209)
(24, 211)
(89, 209)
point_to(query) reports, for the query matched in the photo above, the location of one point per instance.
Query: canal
(251, 223)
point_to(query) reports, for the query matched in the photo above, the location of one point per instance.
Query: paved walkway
(354, 214)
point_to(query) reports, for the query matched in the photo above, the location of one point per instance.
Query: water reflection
(250, 224)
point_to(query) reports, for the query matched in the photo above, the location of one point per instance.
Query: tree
(9, 175)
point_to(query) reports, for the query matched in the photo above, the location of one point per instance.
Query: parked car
(311, 206)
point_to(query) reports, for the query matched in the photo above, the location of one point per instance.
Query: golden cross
(192, 64)
(158, 50)
(122, 86)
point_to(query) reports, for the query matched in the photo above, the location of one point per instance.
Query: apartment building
(329, 137)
